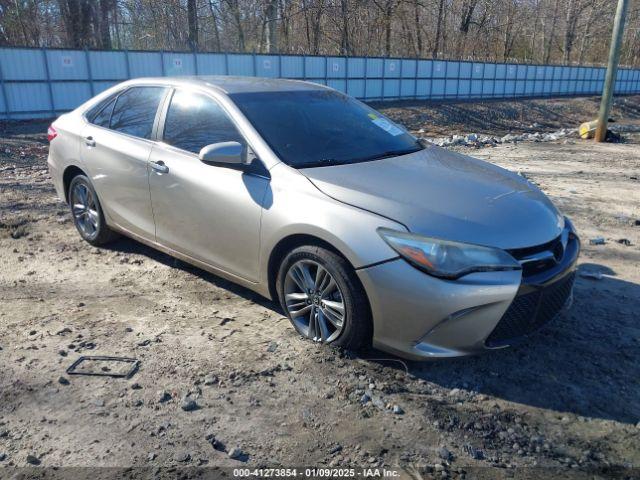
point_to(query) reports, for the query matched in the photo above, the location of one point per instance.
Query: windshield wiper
(323, 162)
(389, 154)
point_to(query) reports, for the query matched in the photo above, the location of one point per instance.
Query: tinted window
(323, 127)
(195, 121)
(96, 109)
(104, 115)
(135, 111)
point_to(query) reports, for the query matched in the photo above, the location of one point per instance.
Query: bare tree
(468, 8)
(417, 28)
(192, 17)
(214, 21)
(542, 30)
(549, 34)
(106, 7)
(271, 25)
(571, 21)
(345, 44)
(436, 43)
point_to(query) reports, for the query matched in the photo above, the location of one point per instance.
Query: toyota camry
(365, 235)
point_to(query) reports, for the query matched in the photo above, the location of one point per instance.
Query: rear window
(135, 111)
(103, 117)
(94, 111)
(311, 128)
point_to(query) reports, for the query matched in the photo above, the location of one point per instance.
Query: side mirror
(223, 153)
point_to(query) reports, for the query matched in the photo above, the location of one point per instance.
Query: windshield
(311, 128)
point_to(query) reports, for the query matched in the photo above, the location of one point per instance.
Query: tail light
(51, 133)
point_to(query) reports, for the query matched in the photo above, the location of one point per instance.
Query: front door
(210, 213)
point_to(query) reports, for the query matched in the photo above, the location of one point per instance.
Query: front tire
(87, 213)
(323, 298)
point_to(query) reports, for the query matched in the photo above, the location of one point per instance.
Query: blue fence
(46, 82)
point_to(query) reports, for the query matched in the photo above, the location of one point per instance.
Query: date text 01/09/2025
(316, 473)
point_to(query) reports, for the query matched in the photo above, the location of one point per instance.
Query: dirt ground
(564, 403)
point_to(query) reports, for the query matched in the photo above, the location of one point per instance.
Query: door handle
(89, 141)
(159, 166)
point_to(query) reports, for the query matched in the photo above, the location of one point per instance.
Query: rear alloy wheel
(323, 298)
(87, 212)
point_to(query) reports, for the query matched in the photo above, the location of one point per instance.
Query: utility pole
(612, 68)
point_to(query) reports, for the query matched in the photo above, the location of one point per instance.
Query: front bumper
(418, 316)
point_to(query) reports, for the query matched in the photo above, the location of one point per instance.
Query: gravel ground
(224, 375)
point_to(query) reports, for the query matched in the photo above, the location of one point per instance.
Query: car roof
(234, 84)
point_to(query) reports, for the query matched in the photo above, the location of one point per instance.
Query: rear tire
(323, 298)
(87, 214)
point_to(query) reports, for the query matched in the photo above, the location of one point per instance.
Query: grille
(530, 311)
(530, 268)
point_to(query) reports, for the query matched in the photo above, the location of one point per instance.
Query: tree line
(540, 31)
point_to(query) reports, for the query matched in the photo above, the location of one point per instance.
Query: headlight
(446, 259)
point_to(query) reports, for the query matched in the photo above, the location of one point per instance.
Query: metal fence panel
(374, 68)
(292, 66)
(210, 64)
(423, 88)
(391, 68)
(267, 66)
(67, 65)
(99, 87)
(336, 67)
(374, 89)
(409, 68)
(338, 84)
(28, 97)
(356, 88)
(38, 83)
(145, 64)
(22, 64)
(240, 64)
(68, 95)
(176, 64)
(108, 65)
(424, 68)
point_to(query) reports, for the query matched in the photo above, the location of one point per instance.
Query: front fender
(297, 207)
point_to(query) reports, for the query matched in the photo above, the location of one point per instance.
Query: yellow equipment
(588, 129)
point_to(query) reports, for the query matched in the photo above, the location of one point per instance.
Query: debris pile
(480, 140)
(475, 140)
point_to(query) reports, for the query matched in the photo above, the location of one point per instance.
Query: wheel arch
(284, 246)
(69, 174)
(289, 243)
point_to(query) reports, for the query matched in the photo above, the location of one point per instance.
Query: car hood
(443, 194)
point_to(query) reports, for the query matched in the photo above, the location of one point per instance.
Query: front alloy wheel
(323, 297)
(314, 301)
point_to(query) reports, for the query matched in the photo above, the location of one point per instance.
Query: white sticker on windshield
(388, 127)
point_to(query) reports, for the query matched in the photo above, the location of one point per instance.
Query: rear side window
(135, 110)
(94, 111)
(194, 121)
(104, 116)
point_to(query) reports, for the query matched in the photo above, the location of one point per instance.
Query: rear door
(115, 149)
(210, 213)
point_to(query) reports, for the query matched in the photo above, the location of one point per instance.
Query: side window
(103, 116)
(135, 110)
(97, 108)
(194, 121)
